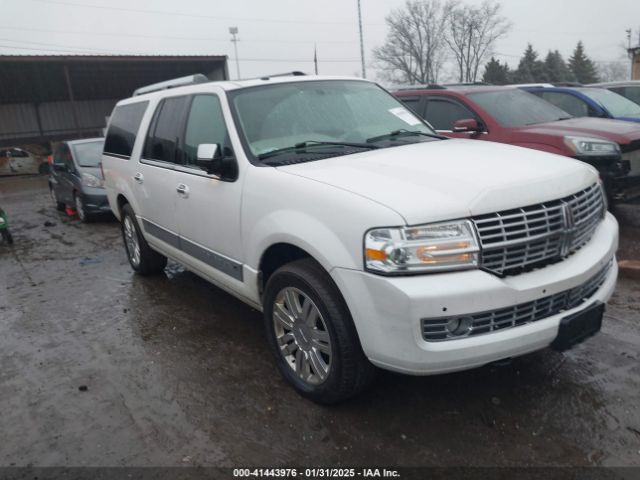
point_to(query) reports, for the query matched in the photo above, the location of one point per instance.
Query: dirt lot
(177, 373)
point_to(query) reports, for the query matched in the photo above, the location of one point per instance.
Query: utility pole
(364, 70)
(628, 31)
(234, 31)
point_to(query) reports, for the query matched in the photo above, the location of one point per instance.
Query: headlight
(422, 249)
(591, 147)
(1, 221)
(89, 180)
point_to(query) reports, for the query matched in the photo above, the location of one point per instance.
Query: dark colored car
(76, 178)
(589, 102)
(511, 115)
(629, 89)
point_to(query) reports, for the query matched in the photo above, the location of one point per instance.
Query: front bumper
(387, 311)
(95, 200)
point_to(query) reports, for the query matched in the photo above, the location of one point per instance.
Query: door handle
(182, 189)
(138, 177)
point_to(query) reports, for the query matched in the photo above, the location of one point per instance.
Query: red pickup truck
(510, 115)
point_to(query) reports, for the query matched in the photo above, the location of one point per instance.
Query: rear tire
(312, 336)
(142, 258)
(54, 196)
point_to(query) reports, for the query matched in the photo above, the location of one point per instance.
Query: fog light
(459, 326)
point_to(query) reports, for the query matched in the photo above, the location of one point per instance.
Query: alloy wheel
(131, 241)
(302, 335)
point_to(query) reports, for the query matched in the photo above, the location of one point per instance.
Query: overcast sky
(279, 35)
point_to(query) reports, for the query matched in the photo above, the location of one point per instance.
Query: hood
(629, 119)
(445, 180)
(617, 131)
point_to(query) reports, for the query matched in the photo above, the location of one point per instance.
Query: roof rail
(568, 84)
(295, 73)
(176, 82)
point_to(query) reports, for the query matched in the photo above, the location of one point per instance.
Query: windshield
(88, 154)
(516, 108)
(617, 105)
(280, 116)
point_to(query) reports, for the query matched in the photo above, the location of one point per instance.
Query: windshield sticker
(405, 115)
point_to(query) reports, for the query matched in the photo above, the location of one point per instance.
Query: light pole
(364, 71)
(234, 31)
(629, 51)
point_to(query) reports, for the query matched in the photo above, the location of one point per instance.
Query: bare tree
(612, 71)
(472, 34)
(415, 48)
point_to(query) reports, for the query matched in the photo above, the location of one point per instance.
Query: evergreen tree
(496, 73)
(530, 69)
(583, 69)
(556, 68)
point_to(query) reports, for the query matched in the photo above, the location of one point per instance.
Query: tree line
(423, 34)
(426, 36)
(553, 69)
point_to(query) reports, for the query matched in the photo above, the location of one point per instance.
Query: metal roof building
(50, 98)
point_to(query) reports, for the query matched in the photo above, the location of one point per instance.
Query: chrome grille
(435, 330)
(514, 241)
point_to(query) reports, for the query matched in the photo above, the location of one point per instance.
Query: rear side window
(165, 130)
(123, 129)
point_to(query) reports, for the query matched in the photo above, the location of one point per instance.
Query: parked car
(629, 89)
(76, 179)
(589, 102)
(16, 161)
(364, 237)
(511, 115)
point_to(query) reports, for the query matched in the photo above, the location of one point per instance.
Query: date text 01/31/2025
(314, 473)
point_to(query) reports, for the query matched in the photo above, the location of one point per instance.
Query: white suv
(365, 238)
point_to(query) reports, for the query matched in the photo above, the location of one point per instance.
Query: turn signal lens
(426, 248)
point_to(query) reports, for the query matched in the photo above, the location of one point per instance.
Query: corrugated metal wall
(52, 119)
(50, 98)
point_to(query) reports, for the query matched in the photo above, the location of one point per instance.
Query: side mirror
(466, 125)
(213, 160)
(209, 158)
(60, 167)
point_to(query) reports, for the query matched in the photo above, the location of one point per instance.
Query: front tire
(312, 335)
(142, 258)
(80, 209)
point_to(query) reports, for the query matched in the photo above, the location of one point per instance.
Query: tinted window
(205, 124)
(567, 102)
(512, 107)
(61, 154)
(88, 154)
(442, 114)
(165, 130)
(413, 103)
(123, 129)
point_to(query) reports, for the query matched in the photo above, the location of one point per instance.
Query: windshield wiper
(403, 133)
(302, 147)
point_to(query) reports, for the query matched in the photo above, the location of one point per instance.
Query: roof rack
(568, 84)
(295, 73)
(176, 82)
